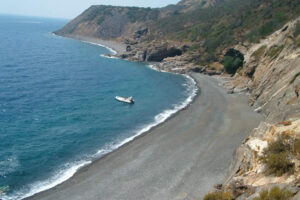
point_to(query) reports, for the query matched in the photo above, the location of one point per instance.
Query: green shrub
(252, 36)
(259, 52)
(232, 64)
(219, 195)
(274, 51)
(277, 158)
(274, 194)
(266, 28)
(278, 146)
(278, 164)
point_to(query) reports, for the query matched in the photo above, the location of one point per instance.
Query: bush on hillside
(276, 157)
(232, 64)
(274, 51)
(274, 194)
(259, 52)
(219, 195)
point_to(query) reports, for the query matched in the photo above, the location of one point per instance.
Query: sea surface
(57, 106)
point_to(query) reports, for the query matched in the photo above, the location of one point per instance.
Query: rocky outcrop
(271, 77)
(140, 33)
(159, 54)
(248, 175)
(153, 52)
(271, 74)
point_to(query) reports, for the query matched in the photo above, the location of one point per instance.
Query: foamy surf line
(70, 169)
(101, 45)
(109, 56)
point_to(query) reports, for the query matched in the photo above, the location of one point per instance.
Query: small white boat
(124, 99)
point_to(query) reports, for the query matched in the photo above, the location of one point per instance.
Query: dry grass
(274, 194)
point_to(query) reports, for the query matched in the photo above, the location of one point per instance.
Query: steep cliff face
(271, 73)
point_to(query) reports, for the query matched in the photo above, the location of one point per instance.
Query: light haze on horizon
(69, 8)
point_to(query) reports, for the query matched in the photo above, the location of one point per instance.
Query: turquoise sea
(57, 106)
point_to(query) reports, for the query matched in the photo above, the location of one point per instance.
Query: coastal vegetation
(141, 14)
(233, 60)
(207, 27)
(274, 193)
(274, 51)
(134, 14)
(219, 195)
(227, 23)
(259, 52)
(277, 157)
(232, 64)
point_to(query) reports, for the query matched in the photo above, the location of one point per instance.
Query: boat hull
(124, 100)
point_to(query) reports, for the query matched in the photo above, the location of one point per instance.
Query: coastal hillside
(108, 22)
(205, 28)
(254, 44)
(113, 22)
(271, 73)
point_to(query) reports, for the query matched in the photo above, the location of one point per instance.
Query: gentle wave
(61, 176)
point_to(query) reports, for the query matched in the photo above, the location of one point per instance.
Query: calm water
(57, 107)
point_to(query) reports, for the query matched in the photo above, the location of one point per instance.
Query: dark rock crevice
(160, 54)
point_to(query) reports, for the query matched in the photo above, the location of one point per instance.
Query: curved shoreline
(101, 154)
(66, 174)
(136, 162)
(120, 146)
